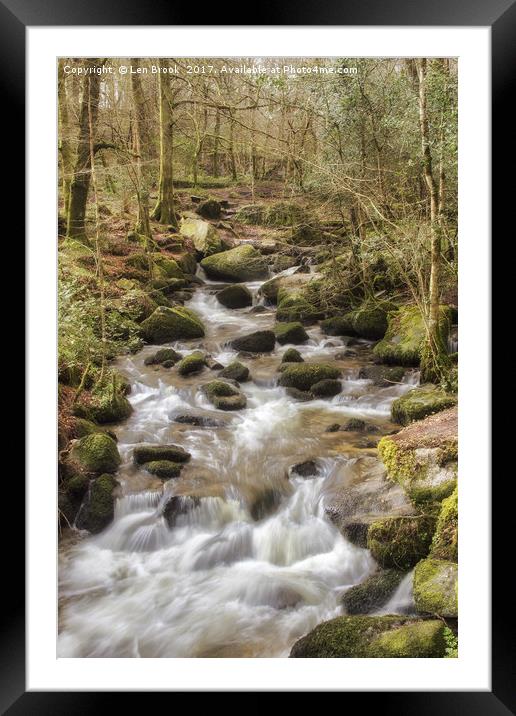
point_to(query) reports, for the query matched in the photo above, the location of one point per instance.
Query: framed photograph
(257, 459)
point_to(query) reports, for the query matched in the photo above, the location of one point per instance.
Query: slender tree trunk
(81, 178)
(216, 144)
(434, 361)
(164, 211)
(232, 160)
(65, 145)
(142, 221)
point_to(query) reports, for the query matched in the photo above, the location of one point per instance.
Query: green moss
(224, 396)
(237, 296)
(297, 304)
(435, 587)
(326, 388)
(382, 375)
(354, 425)
(96, 453)
(400, 542)
(445, 541)
(373, 593)
(205, 237)
(406, 335)
(420, 402)
(98, 511)
(105, 406)
(370, 319)
(162, 356)
(452, 644)
(192, 363)
(243, 263)
(172, 324)
(257, 342)
(164, 267)
(85, 427)
(235, 371)
(290, 333)
(136, 305)
(165, 469)
(152, 453)
(367, 637)
(302, 376)
(338, 326)
(292, 355)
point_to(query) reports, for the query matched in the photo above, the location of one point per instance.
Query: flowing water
(227, 580)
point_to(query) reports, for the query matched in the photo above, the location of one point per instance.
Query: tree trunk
(164, 211)
(142, 221)
(81, 177)
(216, 144)
(65, 145)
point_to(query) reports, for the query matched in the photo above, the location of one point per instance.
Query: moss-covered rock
(422, 458)
(435, 587)
(153, 453)
(164, 469)
(224, 396)
(98, 511)
(257, 342)
(304, 375)
(172, 324)
(164, 355)
(298, 305)
(354, 425)
(186, 262)
(382, 375)
(338, 326)
(85, 427)
(165, 267)
(401, 542)
(370, 319)
(406, 335)
(96, 453)
(235, 371)
(445, 541)
(373, 637)
(243, 263)
(425, 400)
(326, 388)
(290, 333)
(205, 237)
(161, 288)
(373, 593)
(236, 296)
(293, 282)
(107, 402)
(136, 305)
(193, 363)
(209, 209)
(302, 396)
(292, 355)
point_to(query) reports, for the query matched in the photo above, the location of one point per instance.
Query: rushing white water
(402, 601)
(220, 581)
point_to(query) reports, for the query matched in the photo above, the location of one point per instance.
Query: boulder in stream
(304, 375)
(326, 388)
(235, 371)
(168, 355)
(420, 402)
(373, 593)
(96, 453)
(205, 237)
(401, 542)
(303, 396)
(193, 363)
(373, 637)
(98, 510)
(435, 587)
(382, 375)
(257, 342)
(290, 333)
(151, 453)
(224, 396)
(172, 324)
(165, 469)
(236, 296)
(292, 355)
(243, 263)
(338, 326)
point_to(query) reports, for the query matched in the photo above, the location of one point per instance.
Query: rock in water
(326, 388)
(373, 593)
(235, 371)
(243, 263)
(96, 453)
(204, 236)
(237, 296)
(192, 363)
(151, 453)
(224, 396)
(257, 342)
(435, 587)
(304, 375)
(290, 333)
(172, 324)
(418, 403)
(98, 511)
(401, 542)
(292, 355)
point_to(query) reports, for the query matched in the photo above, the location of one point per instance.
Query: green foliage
(452, 644)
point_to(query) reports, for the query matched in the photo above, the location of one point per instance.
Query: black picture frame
(500, 16)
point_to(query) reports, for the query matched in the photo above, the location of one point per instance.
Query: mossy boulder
(373, 593)
(85, 427)
(224, 396)
(435, 587)
(136, 305)
(290, 333)
(338, 326)
(382, 375)
(445, 541)
(193, 363)
(326, 388)
(165, 267)
(205, 237)
(257, 342)
(186, 262)
(422, 458)
(406, 334)
(243, 263)
(152, 453)
(420, 402)
(373, 637)
(354, 425)
(209, 209)
(298, 305)
(292, 355)
(164, 469)
(96, 453)
(172, 324)
(293, 282)
(401, 542)
(164, 355)
(370, 319)
(235, 371)
(236, 296)
(304, 375)
(98, 511)
(107, 402)
(302, 396)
